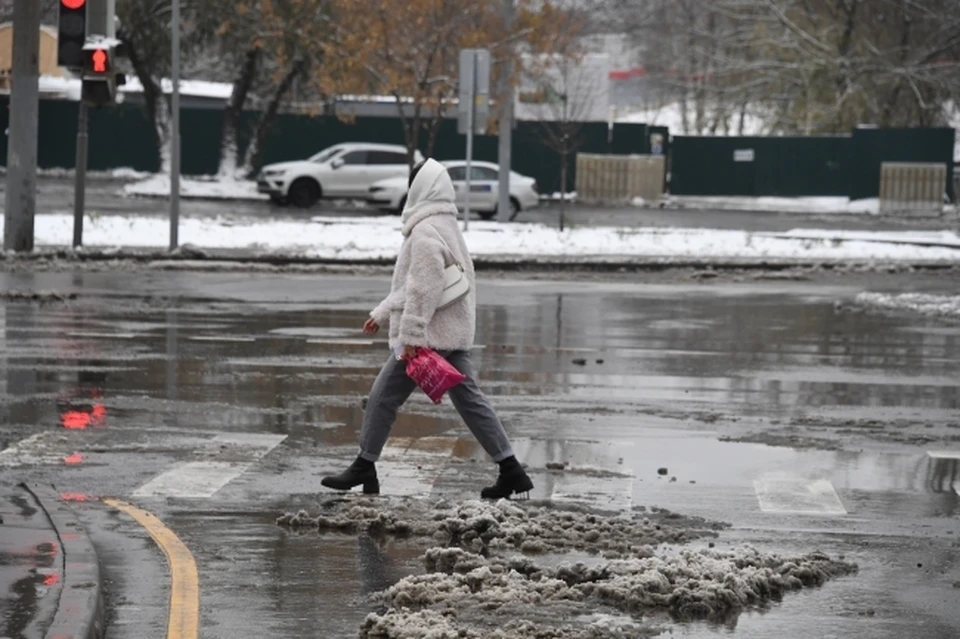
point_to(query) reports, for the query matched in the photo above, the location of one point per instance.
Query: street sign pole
(505, 129)
(474, 107)
(175, 130)
(471, 117)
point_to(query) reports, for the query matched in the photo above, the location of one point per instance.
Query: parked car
(391, 194)
(340, 171)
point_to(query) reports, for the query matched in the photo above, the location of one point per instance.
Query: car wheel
(304, 193)
(403, 203)
(279, 200)
(487, 215)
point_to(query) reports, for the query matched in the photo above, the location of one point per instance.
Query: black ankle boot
(512, 479)
(361, 471)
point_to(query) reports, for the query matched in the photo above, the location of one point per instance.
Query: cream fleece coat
(411, 306)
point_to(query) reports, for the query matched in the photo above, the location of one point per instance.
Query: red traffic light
(73, 4)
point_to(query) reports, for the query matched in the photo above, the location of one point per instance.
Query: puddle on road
(564, 371)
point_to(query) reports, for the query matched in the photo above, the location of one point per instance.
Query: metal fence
(912, 188)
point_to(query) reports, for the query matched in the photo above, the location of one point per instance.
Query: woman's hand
(408, 353)
(370, 327)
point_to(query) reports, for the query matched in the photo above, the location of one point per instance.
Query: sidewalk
(49, 575)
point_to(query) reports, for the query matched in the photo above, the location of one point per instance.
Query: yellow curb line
(184, 615)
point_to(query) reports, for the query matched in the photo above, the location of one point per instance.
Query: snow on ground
(814, 205)
(922, 303)
(380, 239)
(214, 188)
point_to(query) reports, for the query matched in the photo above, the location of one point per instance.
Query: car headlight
(272, 172)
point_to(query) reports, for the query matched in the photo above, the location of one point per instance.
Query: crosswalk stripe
(784, 494)
(943, 454)
(31, 451)
(409, 466)
(202, 479)
(219, 338)
(95, 335)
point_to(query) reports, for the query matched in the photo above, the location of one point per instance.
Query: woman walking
(432, 242)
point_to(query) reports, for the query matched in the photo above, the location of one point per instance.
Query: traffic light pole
(505, 129)
(80, 176)
(21, 195)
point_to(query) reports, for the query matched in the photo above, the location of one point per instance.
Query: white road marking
(95, 335)
(944, 454)
(202, 479)
(409, 466)
(219, 338)
(778, 493)
(31, 451)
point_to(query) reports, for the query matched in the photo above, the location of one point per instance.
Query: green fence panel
(200, 133)
(759, 166)
(872, 147)
(120, 136)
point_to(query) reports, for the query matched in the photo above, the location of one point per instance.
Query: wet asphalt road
(104, 197)
(733, 386)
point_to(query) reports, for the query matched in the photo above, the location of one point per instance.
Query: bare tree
(564, 87)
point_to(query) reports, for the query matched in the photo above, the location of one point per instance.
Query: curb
(80, 610)
(191, 258)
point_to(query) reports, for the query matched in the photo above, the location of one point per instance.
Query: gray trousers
(392, 389)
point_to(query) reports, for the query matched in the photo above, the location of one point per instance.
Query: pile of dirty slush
(483, 579)
(485, 527)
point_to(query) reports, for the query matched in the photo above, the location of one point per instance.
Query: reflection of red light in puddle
(74, 497)
(75, 420)
(99, 413)
(51, 580)
(75, 458)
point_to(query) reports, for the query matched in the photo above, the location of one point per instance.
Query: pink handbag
(433, 374)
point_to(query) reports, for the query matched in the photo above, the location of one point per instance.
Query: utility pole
(21, 196)
(175, 129)
(506, 119)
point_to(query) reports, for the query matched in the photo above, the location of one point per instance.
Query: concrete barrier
(619, 178)
(912, 188)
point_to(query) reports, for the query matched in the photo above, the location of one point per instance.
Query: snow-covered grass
(380, 238)
(923, 303)
(211, 188)
(119, 173)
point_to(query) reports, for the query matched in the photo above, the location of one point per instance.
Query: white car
(340, 171)
(391, 194)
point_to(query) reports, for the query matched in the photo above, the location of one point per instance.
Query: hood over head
(430, 193)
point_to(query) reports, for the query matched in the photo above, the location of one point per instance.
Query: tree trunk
(152, 100)
(229, 154)
(269, 116)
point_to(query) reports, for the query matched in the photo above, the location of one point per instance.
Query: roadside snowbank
(813, 205)
(922, 303)
(213, 188)
(380, 239)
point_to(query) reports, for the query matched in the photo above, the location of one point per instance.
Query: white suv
(340, 171)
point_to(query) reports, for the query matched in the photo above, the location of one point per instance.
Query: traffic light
(100, 80)
(71, 33)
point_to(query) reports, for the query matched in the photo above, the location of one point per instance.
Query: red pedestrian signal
(99, 61)
(73, 4)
